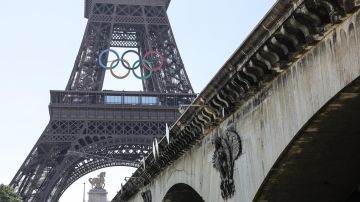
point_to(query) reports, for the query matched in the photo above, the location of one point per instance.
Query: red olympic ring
(161, 60)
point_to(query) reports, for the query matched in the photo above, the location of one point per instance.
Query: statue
(227, 149)
(99, 182)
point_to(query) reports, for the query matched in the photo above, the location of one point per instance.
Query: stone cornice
(286, 33)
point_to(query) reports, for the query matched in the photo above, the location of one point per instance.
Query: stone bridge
(279, 121)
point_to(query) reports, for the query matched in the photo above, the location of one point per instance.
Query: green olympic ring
(143, 61)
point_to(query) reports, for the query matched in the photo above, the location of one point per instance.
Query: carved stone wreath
(227, 149)
(146, 195)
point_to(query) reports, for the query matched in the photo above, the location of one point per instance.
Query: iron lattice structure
(91, 129)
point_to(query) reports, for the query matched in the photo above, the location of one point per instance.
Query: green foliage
(7, 194)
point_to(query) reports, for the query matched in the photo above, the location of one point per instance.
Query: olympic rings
(149, 62)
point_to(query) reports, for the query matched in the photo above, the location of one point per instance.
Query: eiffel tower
(91, 129)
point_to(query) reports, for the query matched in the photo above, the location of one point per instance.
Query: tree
(7, 194)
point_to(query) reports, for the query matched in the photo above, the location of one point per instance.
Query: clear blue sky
(39, 41)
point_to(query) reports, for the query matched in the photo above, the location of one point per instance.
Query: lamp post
(84, 193)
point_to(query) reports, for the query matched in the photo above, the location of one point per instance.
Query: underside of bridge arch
(322, 163)
(182, 192)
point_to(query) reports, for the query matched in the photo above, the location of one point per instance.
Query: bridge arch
(322, 162)
(182, 192)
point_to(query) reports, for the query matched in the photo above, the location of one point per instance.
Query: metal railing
(120, 98)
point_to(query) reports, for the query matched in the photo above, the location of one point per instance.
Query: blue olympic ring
(102, 54)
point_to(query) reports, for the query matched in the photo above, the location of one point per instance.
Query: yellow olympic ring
(112, 72)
